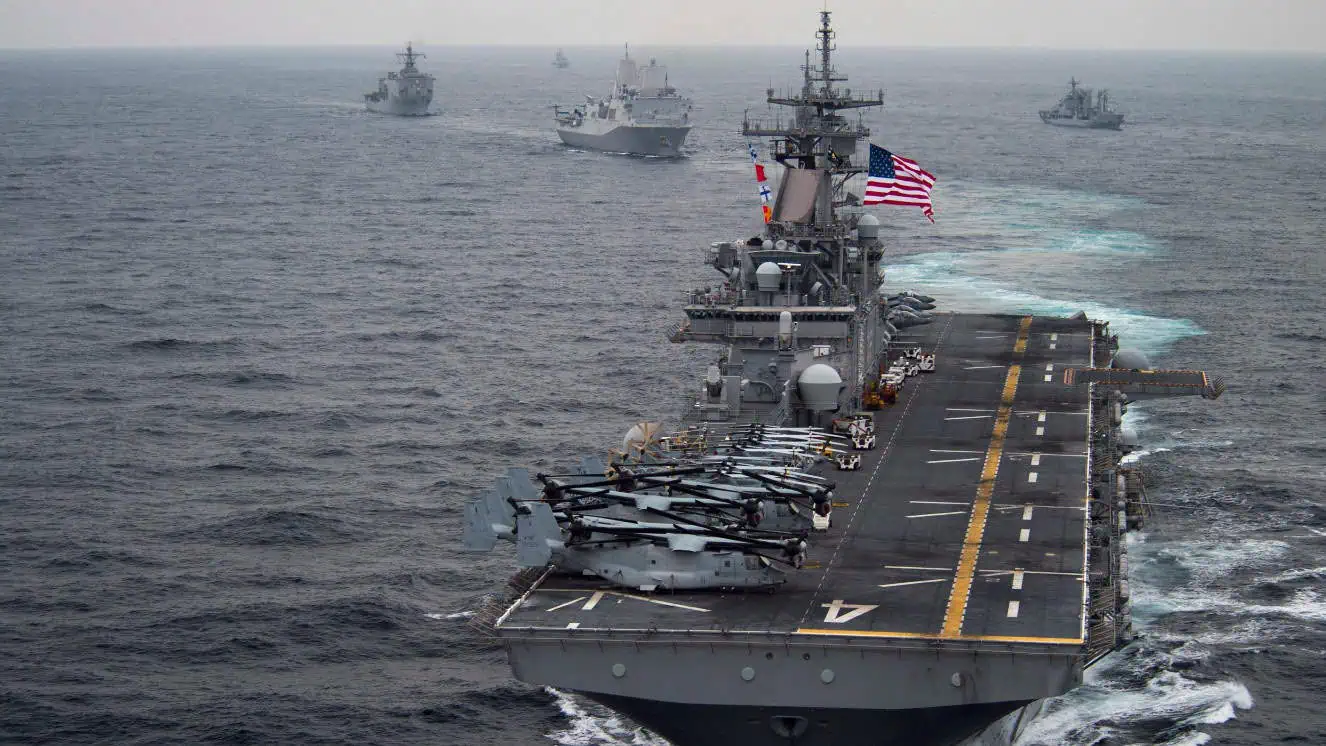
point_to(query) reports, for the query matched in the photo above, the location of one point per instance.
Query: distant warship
(878, 525)
(560, 60)
(644, 115)
(1076, 110)
(406, 93)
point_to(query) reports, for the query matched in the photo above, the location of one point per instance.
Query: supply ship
(1076, 109)
(877, 523)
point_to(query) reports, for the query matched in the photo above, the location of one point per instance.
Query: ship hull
(636, 140)
(401, 107)
(1109, 122)
(986, 724)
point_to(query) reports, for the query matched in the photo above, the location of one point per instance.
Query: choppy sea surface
(259, 345)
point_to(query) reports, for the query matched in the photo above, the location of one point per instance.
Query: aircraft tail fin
(537, 533)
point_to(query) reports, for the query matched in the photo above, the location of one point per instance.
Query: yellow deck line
(929, 636)
(971, 543)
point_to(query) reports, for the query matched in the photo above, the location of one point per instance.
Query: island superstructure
(405, 93)
(643, 115)
(877, 525)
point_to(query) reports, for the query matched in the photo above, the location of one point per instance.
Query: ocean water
(259, 346)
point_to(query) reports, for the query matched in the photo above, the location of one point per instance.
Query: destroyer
(405, 93)
(935, 501)
(644, 114)
(1076, 110)
(560, 60)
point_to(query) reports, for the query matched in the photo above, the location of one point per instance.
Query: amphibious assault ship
(878, 524)
(405, 93)
(644, 114)
(1076, 110)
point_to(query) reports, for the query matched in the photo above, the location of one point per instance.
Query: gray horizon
(1295, 26)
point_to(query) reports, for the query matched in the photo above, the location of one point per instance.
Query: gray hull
(1103, 122)
(400, 107)
(638, 140)
(718, 725)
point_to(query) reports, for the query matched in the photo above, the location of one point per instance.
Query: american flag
(894, 180)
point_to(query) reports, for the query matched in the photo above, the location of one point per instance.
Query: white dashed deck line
(971, 417)
(1026, 512)
(955, 460)
(1013, 607)
(594, 600)
(914, 582)
(1040, 431)
(573, 625)
(559, 607)
(1032, 477)
(1035, 459)
(1017, 579)
(1040, 416)
(1024, 536)
(913, 567)
(936, 515)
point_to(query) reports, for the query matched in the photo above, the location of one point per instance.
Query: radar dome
(867, 227)
(1132, 358)
(768, 276)
(819, 386)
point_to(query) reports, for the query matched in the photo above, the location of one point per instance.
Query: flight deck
(966, 523)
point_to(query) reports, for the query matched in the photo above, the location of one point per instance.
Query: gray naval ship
(1077, 110)
(405, 93)
(877, 524)
(644, 114)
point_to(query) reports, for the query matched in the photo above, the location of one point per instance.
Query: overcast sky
(1274, 25)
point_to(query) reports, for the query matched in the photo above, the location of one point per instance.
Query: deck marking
(930, 636)
(1040, 431)
(1049, 366)
(594, 600)
(1040, 416)
(573, 625)
(835, 614)
(1032, 477)
(559, 607)
(944, 450)
(1017, 579)
(971, 542)
(936, 515)
(1013, 609)
(913, 567)
(935, 502)
(982, 367)
(1025, 535)
(1053, 345)
(971, 417)
(1054, 337)
(1035, 459)
(1026, 512)
(954, 460)
(885, 451)
(968, 409)
(914, 582)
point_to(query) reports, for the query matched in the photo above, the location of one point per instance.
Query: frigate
(404, 93)
(877, 523)
(560, 60)
(643, 115)
(1076, 109)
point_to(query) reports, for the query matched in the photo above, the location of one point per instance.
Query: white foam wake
(588, 729)
(1096, 712)
(946, 276)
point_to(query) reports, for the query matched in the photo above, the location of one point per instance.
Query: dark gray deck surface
(892, 564)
